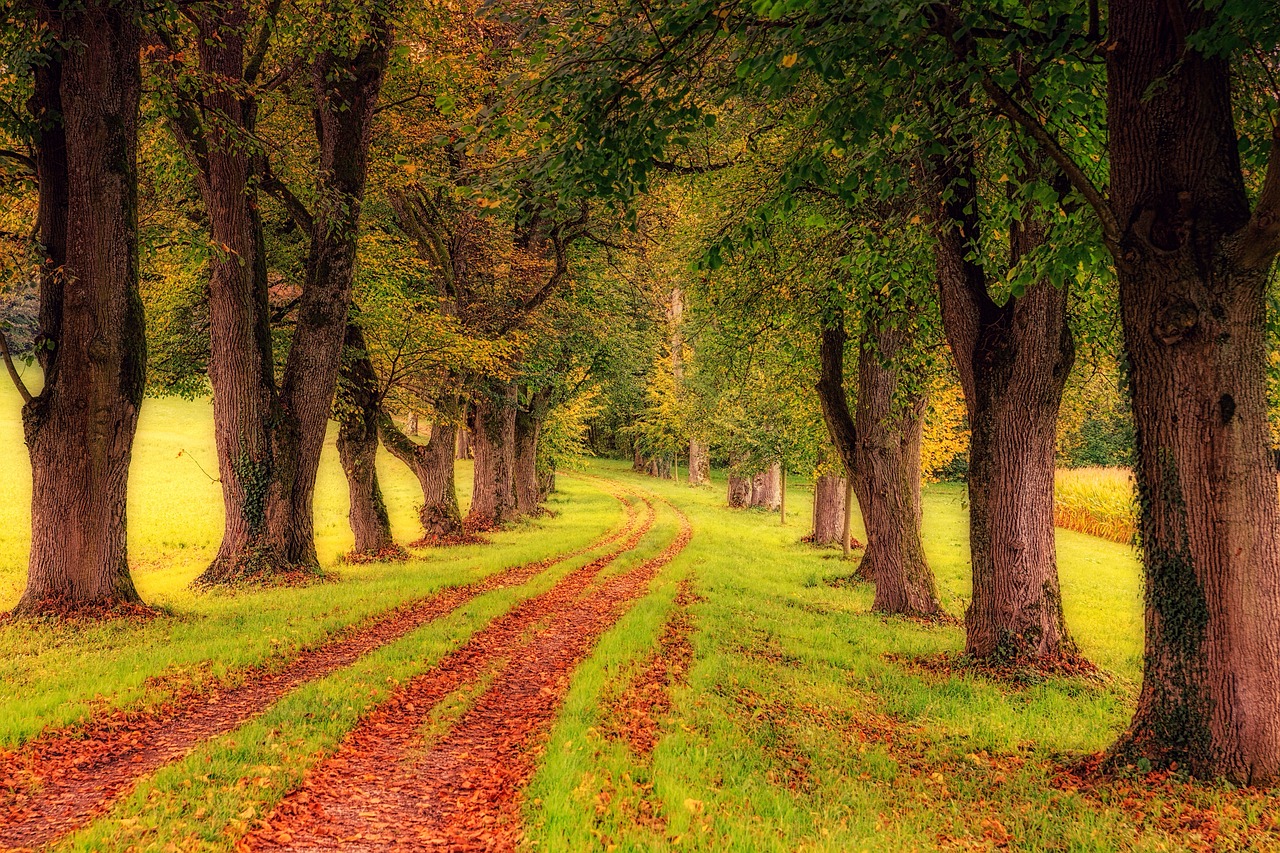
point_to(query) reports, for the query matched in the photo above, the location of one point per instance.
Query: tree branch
(1260, 240)
(832, 395)
(13, 371)
(276, 189)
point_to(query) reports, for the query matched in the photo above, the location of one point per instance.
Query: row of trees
(1012, 174)
(355, 257)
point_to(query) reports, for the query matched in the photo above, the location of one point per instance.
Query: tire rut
(382, 790)
(63, 779)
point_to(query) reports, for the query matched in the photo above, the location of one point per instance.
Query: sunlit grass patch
(1098, 501)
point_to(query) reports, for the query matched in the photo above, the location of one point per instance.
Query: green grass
(56, 674)
(799, 727)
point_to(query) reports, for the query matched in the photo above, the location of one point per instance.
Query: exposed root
(70, 611)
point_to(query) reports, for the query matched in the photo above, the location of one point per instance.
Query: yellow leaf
(789, 60)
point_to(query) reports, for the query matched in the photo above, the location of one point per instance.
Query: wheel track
(381, 791)
(62, 779)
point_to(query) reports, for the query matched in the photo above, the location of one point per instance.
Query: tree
(80, 427)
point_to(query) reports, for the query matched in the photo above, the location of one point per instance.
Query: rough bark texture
(890, 428)
(80, 428)
(464, 443)
(739, 491)
(240, 357)
(432, 464)
(1193, 265)
(1013, 360)
(699, 463)
(493, 435)
(346, 90)
(358, 410)
(766, 488)
(528, 427)
(882, 447)
(828, 509)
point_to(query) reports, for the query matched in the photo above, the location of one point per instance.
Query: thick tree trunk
(828, 509)
(765, 488)
(432, 464)
(890, 428)
(493, 435)
(358, 411)
(346, 92)
(739, 491)
(80, 428)
(1013, 360)
(240, 359)
(1193, 266)
(699, 463)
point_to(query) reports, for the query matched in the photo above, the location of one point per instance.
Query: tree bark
(80, 428)
(1013, 360)
(411, 424)
(358, 410)
(890, 427)
(240, 358)
(493, 498)
(699, 463)
(464, 443)
(765, 488)
(346, 93)
(432, 464)
(828, 509)
(528, 427)
(882, 447)
(739, 490)
(846, 536)
(1193, 265)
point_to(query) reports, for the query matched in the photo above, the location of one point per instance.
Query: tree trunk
(1193, 266)
(464, 443)
(1013, 360)
(493, 499)
(882, 447)
(358, 409)
(528, 427)
(240, 355)
(346, 92)
(764, 488)
(411, 424)
(80, 428)
(846, 536)
(782, 495)
(432, 464)
(699, 463)
(739, 491)
(828, 509)
(890, 427)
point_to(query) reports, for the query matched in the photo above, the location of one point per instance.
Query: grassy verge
(801, 728)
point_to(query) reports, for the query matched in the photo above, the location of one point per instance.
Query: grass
(55, 674)
(1096, 500)
(799, 726)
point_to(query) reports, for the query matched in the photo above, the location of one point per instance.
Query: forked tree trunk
(882, 448)
(346, 93)
(699, 463)
(1013, 360)
(240, 357)
(1193, 266)
(890, 428)
(432, 464)
(358, 410)
(80, 428)
(828, 509)
(493, 435)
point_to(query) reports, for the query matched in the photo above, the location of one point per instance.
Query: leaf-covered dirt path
(389, 786)
(64, 778)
